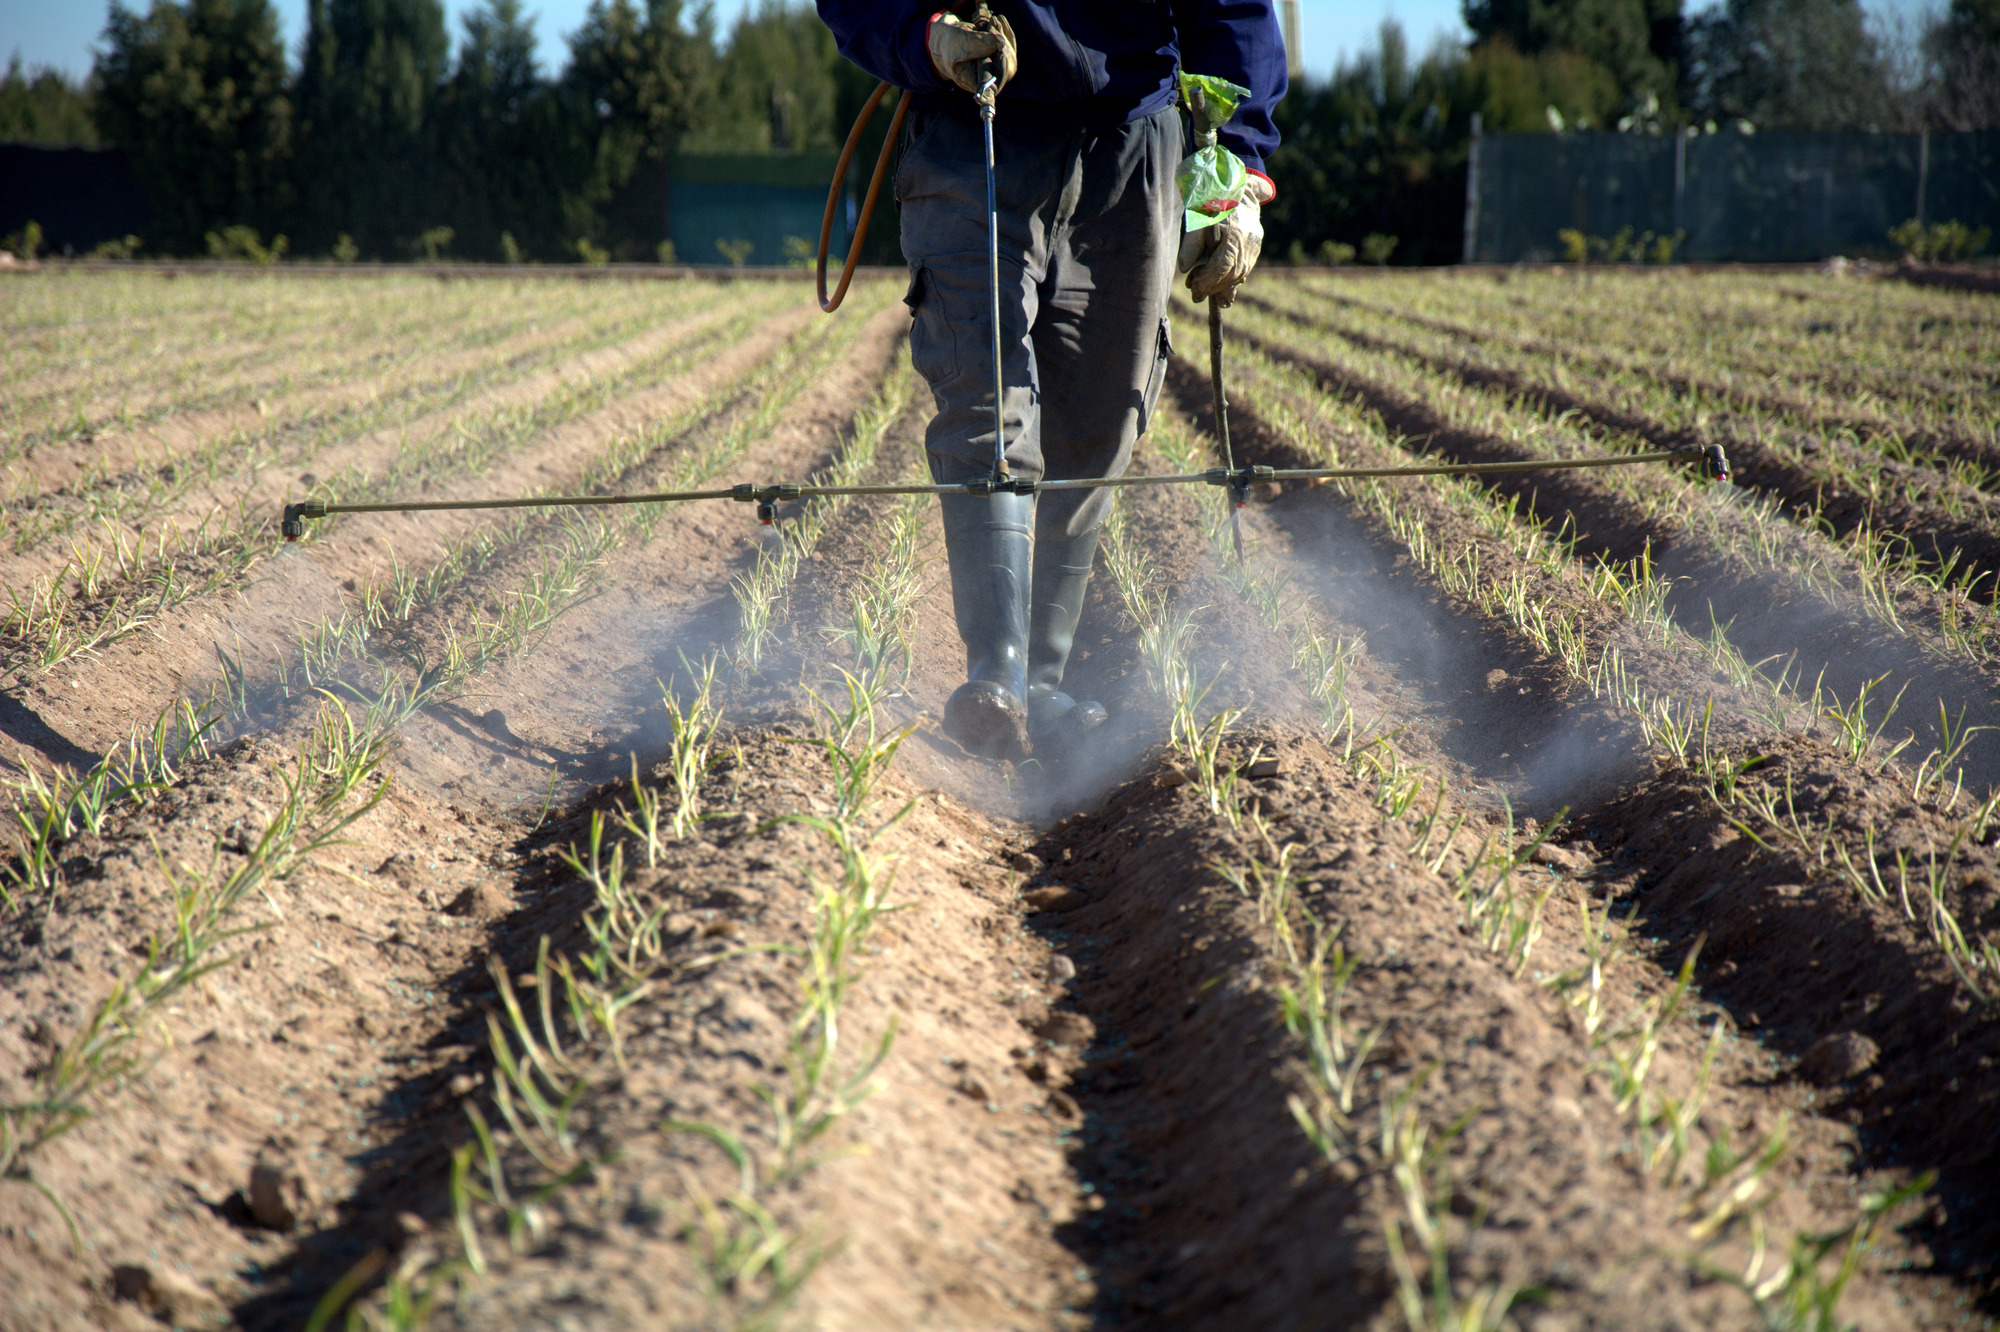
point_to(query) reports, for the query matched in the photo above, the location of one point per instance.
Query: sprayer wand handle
(988, 95)
(1204, 129)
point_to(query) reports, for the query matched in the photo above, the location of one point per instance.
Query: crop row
(1355, 1120)
(324, 343)
(1611, 628)
(265, 324)
(1943, 417)
(130, 483)
(1825, 340)
(750, 1247)
(110, 589)
(1621, 511)
(545, 1066)
(1904, 543)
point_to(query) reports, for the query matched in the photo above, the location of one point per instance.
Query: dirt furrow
(1946, 443)
(303, 321)
(262, 483)
(274, 362)
(1855, 1001)
(252, 1109)
(1818, 480)
(664, 598)
(80, 354)
(1768, 617)
(1771, 918)
(111, 454)
(623, 655)
(1576, 741)
(1796, 341)
(67, 710)
(370, 1095)
(1148, 1037)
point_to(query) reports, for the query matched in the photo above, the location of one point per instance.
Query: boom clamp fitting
(767, 498)
(1238, 480)
(1000, 484)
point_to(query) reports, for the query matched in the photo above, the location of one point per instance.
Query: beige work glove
(958, 45)
(1217, 259)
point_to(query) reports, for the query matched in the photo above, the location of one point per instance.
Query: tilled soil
(1075, 1060)
(1770, 618)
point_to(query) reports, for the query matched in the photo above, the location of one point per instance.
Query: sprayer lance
(988, 97)
(1205, 135)
(1235, 480)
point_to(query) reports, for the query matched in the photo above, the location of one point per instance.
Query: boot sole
(1056, 739)
(987, 721)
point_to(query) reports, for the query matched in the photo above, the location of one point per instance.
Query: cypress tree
(195, 93)
(1790, 65)
(369, 84)
(44, 108)
(503, 141)
(1636, 40)
(636, 83)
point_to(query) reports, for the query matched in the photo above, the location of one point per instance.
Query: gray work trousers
(1089, 227)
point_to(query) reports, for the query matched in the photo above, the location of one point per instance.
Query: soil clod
(1839, 1057)
(479, 901)
(279, 1196)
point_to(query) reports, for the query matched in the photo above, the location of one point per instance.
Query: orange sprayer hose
(867, 205)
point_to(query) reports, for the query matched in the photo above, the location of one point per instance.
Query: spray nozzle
(293, 525)
(1715, 462)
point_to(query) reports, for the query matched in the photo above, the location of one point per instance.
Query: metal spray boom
(1237, 480)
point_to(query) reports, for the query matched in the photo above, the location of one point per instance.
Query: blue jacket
(1095, 63)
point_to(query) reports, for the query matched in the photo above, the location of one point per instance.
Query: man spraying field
(1088, 217)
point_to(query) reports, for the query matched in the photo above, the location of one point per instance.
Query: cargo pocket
(933, 346)
(1163, 351)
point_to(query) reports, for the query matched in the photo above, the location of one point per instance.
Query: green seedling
(1629, 1048)
(113, 1043)
(758, 592)
(1929, 779)
(1856, 734)
(1583, 987)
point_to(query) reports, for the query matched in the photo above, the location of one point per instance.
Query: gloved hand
(1217, 259)
(958, 45)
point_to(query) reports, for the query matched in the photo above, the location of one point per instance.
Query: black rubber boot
(989, 543)
(1062, 573)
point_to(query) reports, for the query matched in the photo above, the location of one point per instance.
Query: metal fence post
(1680, 177)
(1923, 170)
(1472, 193)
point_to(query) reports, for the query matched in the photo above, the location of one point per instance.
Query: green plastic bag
(1212, 179)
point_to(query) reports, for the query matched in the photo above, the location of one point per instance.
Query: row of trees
(1381, 147)
(381, 133)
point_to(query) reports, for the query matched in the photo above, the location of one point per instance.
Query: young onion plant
(758, 592)
(751, 1261)
(325, 792)
(55, 624)
(1166, 634)
(1729, 1187)
(572, 569)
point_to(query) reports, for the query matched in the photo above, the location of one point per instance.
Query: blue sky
(61, 32)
